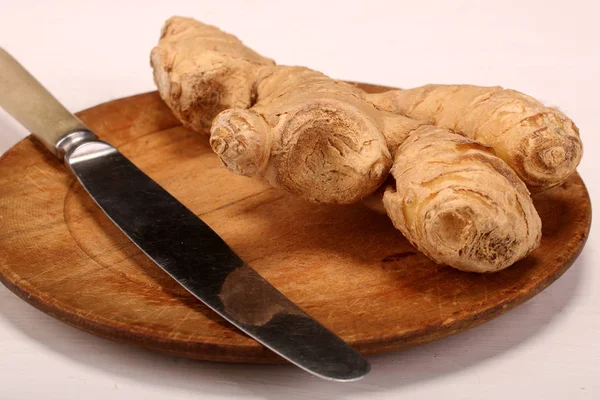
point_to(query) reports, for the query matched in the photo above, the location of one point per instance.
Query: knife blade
(173, 237)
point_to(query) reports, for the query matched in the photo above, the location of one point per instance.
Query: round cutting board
(345, 265)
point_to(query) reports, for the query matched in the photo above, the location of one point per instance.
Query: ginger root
(328, 141)
(307, 134)
(462, 206)
(200, 70)
(540, 143)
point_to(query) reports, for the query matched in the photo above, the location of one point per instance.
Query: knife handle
(23, 97)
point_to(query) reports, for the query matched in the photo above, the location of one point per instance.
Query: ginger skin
(328, 141)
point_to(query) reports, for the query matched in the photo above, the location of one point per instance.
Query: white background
(88, 52)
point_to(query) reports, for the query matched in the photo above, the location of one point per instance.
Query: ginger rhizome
(540, 143)
(308, 134)
(461, 206)
(200, 70)
(458, 154)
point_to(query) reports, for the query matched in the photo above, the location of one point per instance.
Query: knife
(174, 237)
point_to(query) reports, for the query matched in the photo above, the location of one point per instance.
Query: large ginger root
(328, 141)
(462, 205)
(540, 143)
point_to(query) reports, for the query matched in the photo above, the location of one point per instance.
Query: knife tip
(351, 371)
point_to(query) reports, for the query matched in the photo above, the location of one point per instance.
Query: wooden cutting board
(345, 265)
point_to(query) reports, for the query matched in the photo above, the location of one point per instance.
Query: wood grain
(346, 266)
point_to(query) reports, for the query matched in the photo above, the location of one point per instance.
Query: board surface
(345, 265)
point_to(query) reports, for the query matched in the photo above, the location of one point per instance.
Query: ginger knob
(460, 204)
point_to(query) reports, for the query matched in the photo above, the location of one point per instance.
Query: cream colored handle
(23, 97)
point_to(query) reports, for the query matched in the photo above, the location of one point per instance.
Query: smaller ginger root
(540, 143)
(460, 204)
